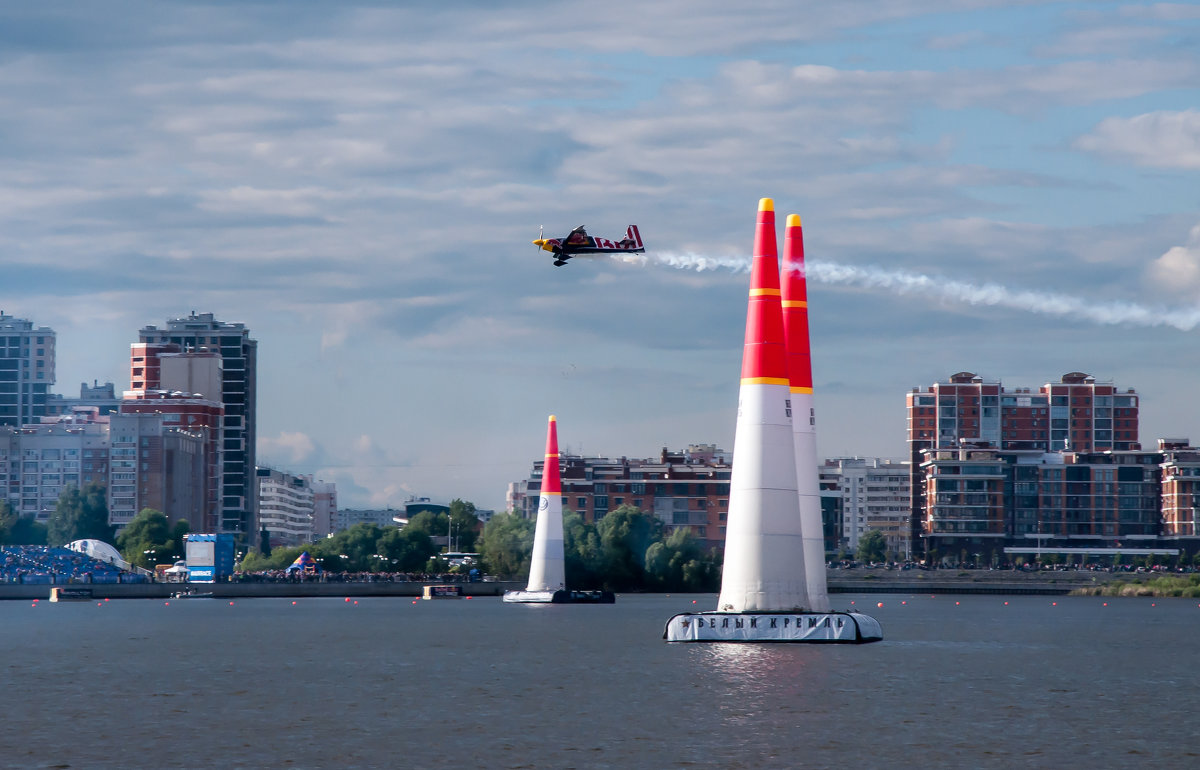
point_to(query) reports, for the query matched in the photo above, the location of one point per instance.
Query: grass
(1187, 586)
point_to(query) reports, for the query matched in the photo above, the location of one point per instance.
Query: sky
(1007, 188)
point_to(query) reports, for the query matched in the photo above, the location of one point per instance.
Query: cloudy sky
(1009, 188)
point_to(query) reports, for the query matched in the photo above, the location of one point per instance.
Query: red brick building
(687, 489)
(1074, 414)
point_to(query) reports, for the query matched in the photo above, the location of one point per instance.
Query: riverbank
(841, 581)
(973, 581)
(235, 591)
(1161, 585)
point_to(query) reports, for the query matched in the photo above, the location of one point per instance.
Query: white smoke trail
(903, 282)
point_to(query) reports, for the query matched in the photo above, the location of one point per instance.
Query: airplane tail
(633, 235)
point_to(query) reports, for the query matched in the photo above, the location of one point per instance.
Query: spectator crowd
(35, 564)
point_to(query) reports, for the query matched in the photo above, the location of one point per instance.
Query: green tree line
(627, 550)
(371, 548)
(624, 551)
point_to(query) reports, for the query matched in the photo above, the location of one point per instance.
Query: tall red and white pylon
(764, 546)
(546, 571)
(804, 420)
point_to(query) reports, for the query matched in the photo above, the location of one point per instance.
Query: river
(959, 682)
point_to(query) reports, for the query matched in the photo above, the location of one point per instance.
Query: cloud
(287, 447)
(1159, 139)
(1178, 270)
(359, 184)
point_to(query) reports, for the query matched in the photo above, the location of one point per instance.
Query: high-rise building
(986, 505)
(324, 508)
(1180, 492)
(874, 494)
(285, 507)
(197, 415)
(154, 463)
(26, 370)
(140, 460)
(1074, 414)
(201, 333)
(38, 461)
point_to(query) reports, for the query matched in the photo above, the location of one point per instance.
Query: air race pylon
(764, 567)
(764, 588)
(547, 572)
(804, 422)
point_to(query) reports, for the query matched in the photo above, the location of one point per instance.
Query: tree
(20, 530)
(79, 514)
(506, 544)
(8, 520)
(871, 546)
(677, 564)
(406, 550)
(178, 531)
(280, 558)
(428, 522)
(625, 534)
(581, 552)
(350, 550)
(29, 531)
(146, 540)
(465, 526)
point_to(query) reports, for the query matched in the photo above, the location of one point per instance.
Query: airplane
(579, 242)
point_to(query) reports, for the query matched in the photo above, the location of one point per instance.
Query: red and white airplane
(579, 242)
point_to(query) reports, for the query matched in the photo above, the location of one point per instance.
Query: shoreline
(840, 581)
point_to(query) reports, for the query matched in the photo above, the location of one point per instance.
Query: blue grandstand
(40, 564)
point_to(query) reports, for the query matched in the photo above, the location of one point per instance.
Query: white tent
(98, 549)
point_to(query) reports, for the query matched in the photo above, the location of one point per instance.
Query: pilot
(578, 238)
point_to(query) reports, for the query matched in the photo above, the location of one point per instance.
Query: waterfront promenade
(858, 580)
(967, 581)
(251, 590)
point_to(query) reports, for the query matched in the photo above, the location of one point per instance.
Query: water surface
(966, 681)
